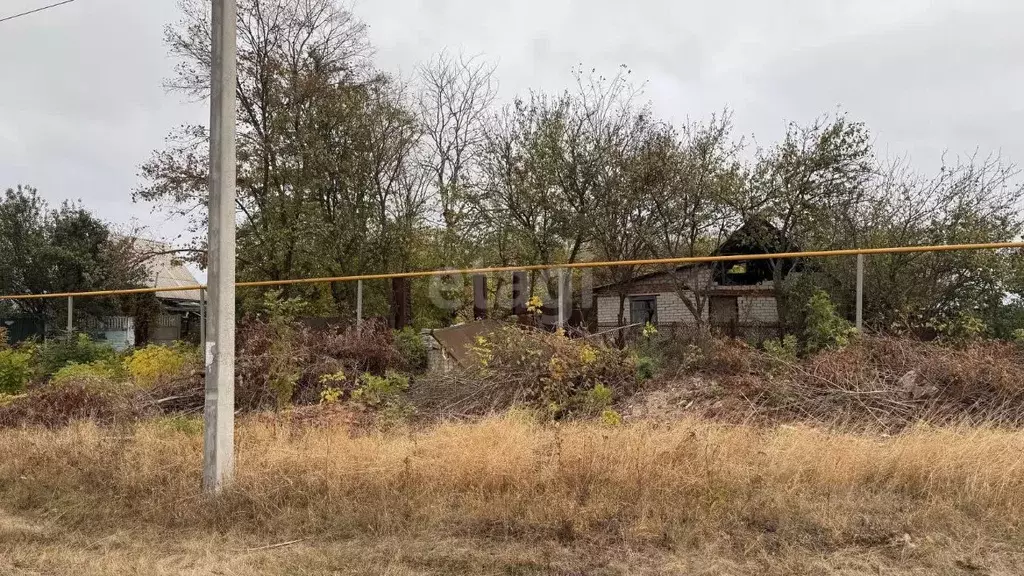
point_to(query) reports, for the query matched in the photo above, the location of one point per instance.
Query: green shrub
(15, 370)
(284, 367)
(148, 366)
(611, 417)
(56, 354)
(411, 348)
(825, 329)
(99, 370)
(598, 399)
(963, 328)
(783, 351)
(386, 395)
(333, 387)
(379, 391)
(782, 354)
(645, 368)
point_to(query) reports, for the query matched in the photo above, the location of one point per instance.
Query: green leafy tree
(328, 182)
(64, 249)
(693, 208)
(810, 187)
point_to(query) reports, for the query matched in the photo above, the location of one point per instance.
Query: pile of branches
(519, 365)
(313, 353)
(341, 353)
(85, 398)
(885, 382)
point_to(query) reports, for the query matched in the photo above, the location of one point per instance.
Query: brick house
(736, 298)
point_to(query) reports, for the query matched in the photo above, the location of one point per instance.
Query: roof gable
(756, 236)
(163, 270)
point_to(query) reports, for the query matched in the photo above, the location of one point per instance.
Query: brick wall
(756, 305)
(608, 310)
(758, 310)
(671, 309)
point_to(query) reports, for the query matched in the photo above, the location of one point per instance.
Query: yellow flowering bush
(98, 370)
(535, 305)
(151, 364)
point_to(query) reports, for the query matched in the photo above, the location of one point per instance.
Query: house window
(643, 309)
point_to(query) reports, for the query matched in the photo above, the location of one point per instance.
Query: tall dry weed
(685, 483)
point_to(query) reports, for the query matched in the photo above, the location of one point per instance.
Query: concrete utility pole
(71, 317)
(561, 298)
(359, 303)
(219, 413)
(860, 293)
(202, 317)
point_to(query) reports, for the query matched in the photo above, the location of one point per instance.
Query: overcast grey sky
(81, 102)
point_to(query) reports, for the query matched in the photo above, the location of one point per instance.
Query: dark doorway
(725, 314)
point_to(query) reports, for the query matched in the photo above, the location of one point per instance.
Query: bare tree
(971, 200)
(455, 98)
(692, 205)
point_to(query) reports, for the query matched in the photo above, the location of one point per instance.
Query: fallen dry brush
(529, 367)
(314, 353)
(96, 400)
(879, 382)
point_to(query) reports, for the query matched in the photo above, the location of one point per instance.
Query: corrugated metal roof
(167, 271)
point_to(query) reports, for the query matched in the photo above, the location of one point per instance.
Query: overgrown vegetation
(620, 181)
(339, 354)
(283, 368)
(78, 349)
(100, 370)
(558, 376)
(788, 497)
(880, 383)
(75, 398)
(566, 459)
(411, 349)
(15, 370)
(152, 364)
(436, 174)
(824, 329)
(827, 377)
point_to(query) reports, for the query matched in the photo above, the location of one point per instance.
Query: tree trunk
(781, 298)
(620, 338)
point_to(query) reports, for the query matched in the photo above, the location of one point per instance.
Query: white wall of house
(608, 310)
(758, 310)
(672, 310)
(753, 305)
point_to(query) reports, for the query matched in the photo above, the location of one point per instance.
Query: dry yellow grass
(507, 496)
